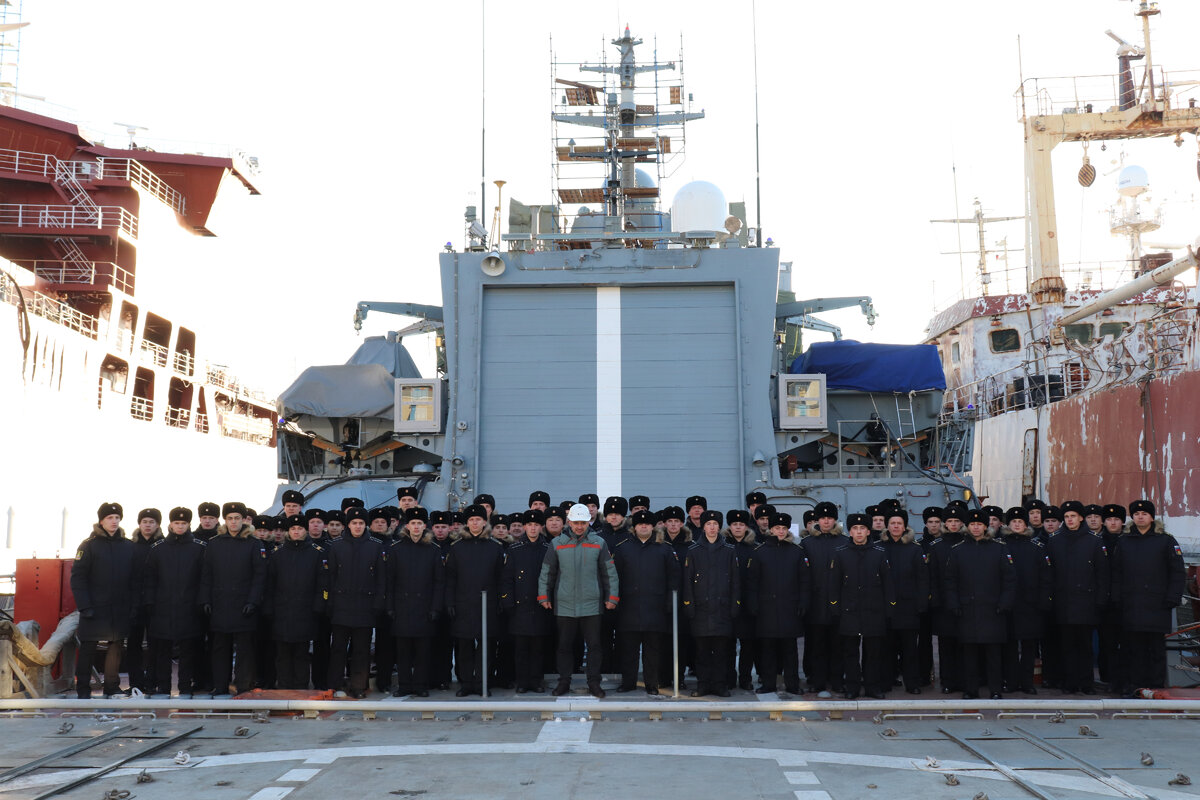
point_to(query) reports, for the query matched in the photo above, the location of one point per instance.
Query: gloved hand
(249, 609)
(451, 612)
(87, 613)
(207, 607)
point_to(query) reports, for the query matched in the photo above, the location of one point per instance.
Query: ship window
(1005, 340)
(418, 406)
(142, 404)
(1080, 332)
(1113, 329)
(802, 402)
(955, 353)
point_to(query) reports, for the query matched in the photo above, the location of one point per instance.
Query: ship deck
(576, 746)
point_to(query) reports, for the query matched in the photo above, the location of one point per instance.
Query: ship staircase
(76, 266)
(954, 445)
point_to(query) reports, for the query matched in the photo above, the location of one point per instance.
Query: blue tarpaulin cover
(868, 367)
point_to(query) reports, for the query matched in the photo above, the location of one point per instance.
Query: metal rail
(1001, 768)
(70, 750)
(1100, 774)
(91, 776)
(590, 704)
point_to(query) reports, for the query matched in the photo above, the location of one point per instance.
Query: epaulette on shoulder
(937, 541)
(1037, 542)
(878, 547)
(843, 547)
(200, 542)
(515, 545)
(156, 544)
(957, 544)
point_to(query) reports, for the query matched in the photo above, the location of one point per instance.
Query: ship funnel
(492, 265)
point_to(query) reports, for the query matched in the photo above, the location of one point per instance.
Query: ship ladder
(64, 176)
(904, 413)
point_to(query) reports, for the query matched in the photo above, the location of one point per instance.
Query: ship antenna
(482, 108)
(757, 172)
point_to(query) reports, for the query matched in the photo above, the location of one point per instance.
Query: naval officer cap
(416, 513)
(292, 496)
(233, 508)
(150, 513)
(1141, 505)
(932, 512)
(332, 515)
(779, 518)
(539, 497)
(738, 515)
(588, 500)
(977, 515)
(1093, 509)
(710, 516)
(872, 511)
(498, 519)
(440, 518)
(406, 491)
(755, 498)
(180, 514)
(356, 512)
(858, 519)
(826, 509)
(556, 511)
(475, 510)
(293, 521)
(1016, 512)
(1073, 505)
(208, 510)
(994, 511)
(808, 516)
(1113, 510)
(897, 513)
(1034, 503)
(316, 513)
(1053, 512)
(673, 512)
(351, 502)
(764, 510)
(954, 512)
(263, 522)
(696, 500)
(534, 516)
(616, 505)
(377, 513)
(643, 517)
(639, 501)
(484, 499)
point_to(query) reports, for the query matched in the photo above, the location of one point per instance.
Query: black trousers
(743, 656)
(232, 652)
(1075, 657)
(950, 665)
(502, 658)
(609, 662)
(825, 662)
(385, 652)
(925, 649)
(204, 680)
(468, 663)
(712, 661)
(359, 642)
(647, 644)
(264, 655)
(902, 658)
(412, 660)
(112, 667)
(189, 652)
(139, 658)
(1050, 649)
(1020, 658)
(1144, 662)
(569, 630)
(320, 653)
(862, 660)
(292, 665)
(972, 652)
(1109, 636)
(529, 661)
(775, 654)
(441, 654)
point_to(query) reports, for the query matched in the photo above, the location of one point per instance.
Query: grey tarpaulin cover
(363, 387)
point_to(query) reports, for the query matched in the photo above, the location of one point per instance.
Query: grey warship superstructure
(607, 344)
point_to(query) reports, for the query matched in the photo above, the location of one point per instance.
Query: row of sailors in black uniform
(867, 617)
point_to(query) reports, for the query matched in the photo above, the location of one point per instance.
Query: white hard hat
(579, 513)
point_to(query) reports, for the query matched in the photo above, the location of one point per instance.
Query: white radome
(698, 206)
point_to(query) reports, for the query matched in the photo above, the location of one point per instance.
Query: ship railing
(54, 310)
(141, 408)
(245, 427)
(83, 272)
(178, 417)
(22, 162)
(158, 353)
(1081, 94)
(134, 171)
(217, 376)
(183, 363)
(22, 215)
(201, 422)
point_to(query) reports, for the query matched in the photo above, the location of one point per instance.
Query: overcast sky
(365, 117)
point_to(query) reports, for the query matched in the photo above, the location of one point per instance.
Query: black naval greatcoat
(743, 623)
(475, 564)
(233, 577)
(356, 580)
(1079, 576)
(105, 582)
(910, 574)
(297, 590)
(519, 588)
(1148, 579)
(1031, 566)
(944, 621)
(779, 589)
(981, 587)
(172, 588)
(647, 572)
(862, 594)
(819, 548)
(416, 587)
(712, 587)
